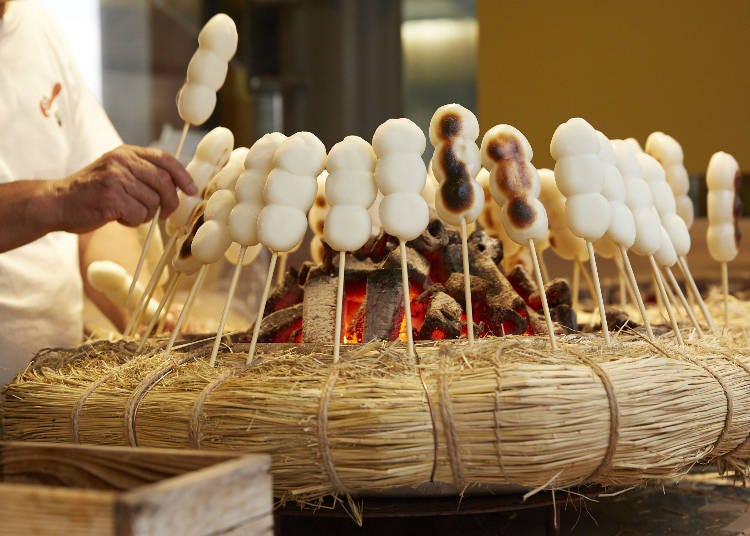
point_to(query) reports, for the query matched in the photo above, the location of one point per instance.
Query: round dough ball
(219, 35)
(109, 277)
(664, 148)
(638, 194)
(458, 152)
(614, 187)
(651, 168)
(606, 153)
(622, 225)
(347, 227)
(210, 242)
(182, 214)
(720, 206)
(452, 121)
(351, 154)
(317, 250)
(398, 136)
(232, 253)
(187, 265)
(567, 245)
(302, 153)
(678, 179)
(722, 170)
(470, 214)
(721, 243)
(685, 210)
(430, 188)
(663, 198)
(208, 69)
(524, 219)
(202, 172)
(400, 172)
(226, 178)
(574, 137)
(284, 188)
(281, 228)
(626, 159)
(647, 231)
(666, 255)
(249, 186)
(243, 223)
(215, 147)
(514, 178)
(219, 205)
(678, 233)
(196, 103)
(404, 215)
(351, 188)
(579, 174)
(504, 142)
(588, 215)
(260, 155)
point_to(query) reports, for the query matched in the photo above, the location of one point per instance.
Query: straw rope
(195, 418)
(614, 418)
(323, 443)
(446, 414)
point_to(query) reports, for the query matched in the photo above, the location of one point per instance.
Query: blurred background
(340, 67)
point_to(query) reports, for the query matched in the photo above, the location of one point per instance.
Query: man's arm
(125, 185)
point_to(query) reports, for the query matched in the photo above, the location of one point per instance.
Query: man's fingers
(158, 180)
(171, 165)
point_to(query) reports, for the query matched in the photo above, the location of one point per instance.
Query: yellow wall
(629, 67)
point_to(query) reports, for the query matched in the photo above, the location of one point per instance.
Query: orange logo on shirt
(45, 105)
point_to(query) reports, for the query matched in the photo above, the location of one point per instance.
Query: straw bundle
(506, 411)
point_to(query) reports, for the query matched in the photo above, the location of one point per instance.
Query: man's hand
(124, 185)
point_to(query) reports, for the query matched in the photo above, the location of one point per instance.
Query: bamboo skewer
(154, 223)
(171, 287)
(685, 269)
(163, 318)
(185, 309)
(636, 292)
(665, 299)
(136, 315)
(283, 259)
(543, 296)
(599, 298)
(623, 287)
(467, 282)
(407, 299)
(339, 307)
(261, 308)
(682, 299)
(232, 289)
(725, 292)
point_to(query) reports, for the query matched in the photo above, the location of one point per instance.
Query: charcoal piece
(384, 305)
(564, 315)
(417, 266)
(276, 322)
(484, 266)
(481, 242)
(376, 248)
(452, 259)
(537, 324)
(558, 293)
(427, 294)
(287, 293)
(319, 309)
(356, 268)
(304, 271)
(355, 330)
(522, 282)
(505, 309)
(443, 315)
(454, 286)
(618, 319)
(433, 239)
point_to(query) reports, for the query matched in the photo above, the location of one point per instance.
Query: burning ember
(302, 308)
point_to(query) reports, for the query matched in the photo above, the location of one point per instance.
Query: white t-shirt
(50, 126)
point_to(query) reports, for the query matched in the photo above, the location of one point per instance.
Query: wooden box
(73, 489)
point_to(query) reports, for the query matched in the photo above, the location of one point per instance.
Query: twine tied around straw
(323, 443)
(614, 416)
(195, 416)
(140, 392)
(446, 417)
